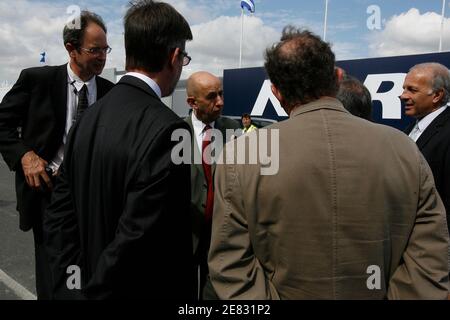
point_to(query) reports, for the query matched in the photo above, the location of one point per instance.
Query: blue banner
(248, 90)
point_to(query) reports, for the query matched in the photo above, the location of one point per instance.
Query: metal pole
(242, 38)
(442, 26)
(325, 22)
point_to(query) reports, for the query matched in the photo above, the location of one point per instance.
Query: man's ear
(70, 49)
(340, 74)
(438, 96)
(277, 94)
(191, 101)
(174, 57)
(280, 98)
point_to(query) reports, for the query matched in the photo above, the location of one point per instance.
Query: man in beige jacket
(352, 212)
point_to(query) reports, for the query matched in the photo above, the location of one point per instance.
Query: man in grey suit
(353, 212)
(205, 97)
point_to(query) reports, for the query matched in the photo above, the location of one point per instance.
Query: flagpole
(442, 26)
(242, 37)
(325, 22)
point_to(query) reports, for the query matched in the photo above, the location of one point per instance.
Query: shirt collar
(426, 121)
(149, 81)
(78, 83)
(198, 125)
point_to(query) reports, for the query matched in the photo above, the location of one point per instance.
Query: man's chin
(98, 70)
(410, 113)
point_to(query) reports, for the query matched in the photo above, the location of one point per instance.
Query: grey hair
(440, 77)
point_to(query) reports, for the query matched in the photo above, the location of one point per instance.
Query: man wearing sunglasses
(44, 103)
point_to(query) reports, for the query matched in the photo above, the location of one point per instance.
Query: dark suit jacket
(38, 104)
(200, 188)
(120, 210)
(434, 143)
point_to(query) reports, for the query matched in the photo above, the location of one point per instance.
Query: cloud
(410, 33)
(24, 35)
(192, 13)
(345, 50)
(282, 17)
(29, 27)
(216, 44)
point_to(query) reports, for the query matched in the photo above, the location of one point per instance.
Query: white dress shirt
(423, 123)
(199, 128)
(151, 83)
(74, 85)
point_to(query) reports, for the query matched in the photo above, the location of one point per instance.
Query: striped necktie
(82, 101)
(415, 132)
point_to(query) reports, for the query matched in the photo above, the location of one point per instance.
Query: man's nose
(102, 55)
(403, 96)
(219, 101)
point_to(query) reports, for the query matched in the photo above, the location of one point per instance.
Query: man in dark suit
(120, 211)
(426, 92)
(44, 103)
(205, 96)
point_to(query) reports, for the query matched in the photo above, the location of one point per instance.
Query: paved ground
(16, 247)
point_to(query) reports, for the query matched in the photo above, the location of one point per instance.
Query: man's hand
(34, 168)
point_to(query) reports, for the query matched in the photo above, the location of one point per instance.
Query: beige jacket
(353, 213)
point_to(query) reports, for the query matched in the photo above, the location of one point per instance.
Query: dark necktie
(206, 163)
(82, 101)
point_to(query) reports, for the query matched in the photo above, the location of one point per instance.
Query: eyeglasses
(97, 51)
(186, 59)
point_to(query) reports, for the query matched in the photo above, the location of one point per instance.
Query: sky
(355, 28)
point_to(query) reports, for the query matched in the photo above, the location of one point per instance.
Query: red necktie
(206, 163)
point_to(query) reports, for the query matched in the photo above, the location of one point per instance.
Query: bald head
(205, 96)
(198, 80)
(434, 67)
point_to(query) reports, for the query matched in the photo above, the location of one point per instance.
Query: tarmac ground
(17, 281)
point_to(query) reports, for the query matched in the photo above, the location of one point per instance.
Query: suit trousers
(44, 276)
(206, 290)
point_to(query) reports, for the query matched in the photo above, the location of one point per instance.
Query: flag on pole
(249, 5)
(42, 57)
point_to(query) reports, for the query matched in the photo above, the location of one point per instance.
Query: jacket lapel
(433, 128)
(59, 94)
(220, 126)
(194, 150)
(101, 88)
(409, 128)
